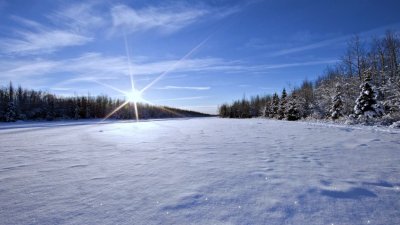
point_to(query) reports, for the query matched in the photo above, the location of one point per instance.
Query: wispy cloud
(93, 63)
(13, 69)
(310, 46)
(60, 89)
(37, 39)
(181, 99)
(71, 25)
(266, 88)
(296, 64)
(164, 19)
(80, 17)
(85, 78)
(339, 40)
(91, 67)
(68, 25)
(201, 106)
(185, 88)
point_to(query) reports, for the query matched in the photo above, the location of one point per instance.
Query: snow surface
(198, 171)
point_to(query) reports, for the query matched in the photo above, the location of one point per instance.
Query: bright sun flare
(134, 96)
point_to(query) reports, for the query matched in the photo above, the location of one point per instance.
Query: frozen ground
(198, 171)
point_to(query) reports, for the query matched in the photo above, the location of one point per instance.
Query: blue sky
(207, 52)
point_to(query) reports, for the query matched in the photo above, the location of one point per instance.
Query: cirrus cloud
(164, 19)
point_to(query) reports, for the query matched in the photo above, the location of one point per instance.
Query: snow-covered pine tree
(337, 104)
(391, 101)
(293, 112)
(50, 107)
(244, 108)
(282, 105)
(274, 106)
(77, 111)
(87, 111)
(366, 104)
(11, 115)
(223, 111)
(11, 109)
(265, 111)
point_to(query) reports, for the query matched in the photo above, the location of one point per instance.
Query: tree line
(363, 87)
(23, 104)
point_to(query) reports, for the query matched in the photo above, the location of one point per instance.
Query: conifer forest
(363, 87)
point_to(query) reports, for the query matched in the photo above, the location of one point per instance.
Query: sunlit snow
(198, 171)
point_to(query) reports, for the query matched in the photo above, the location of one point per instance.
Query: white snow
(198, 171)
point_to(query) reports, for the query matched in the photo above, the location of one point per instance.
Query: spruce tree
(223, 110)
(11, 115)
(50, 108)
(11, 110)
(267, 111)
(366, 103)
(337, 104)
(282, 106)
(275, 105)
(76, 112)
(391, 102)
(293, 112)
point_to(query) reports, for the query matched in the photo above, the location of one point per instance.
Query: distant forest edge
(364, 87)
(23, 104)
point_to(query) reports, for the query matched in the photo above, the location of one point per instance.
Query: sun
(134, 96)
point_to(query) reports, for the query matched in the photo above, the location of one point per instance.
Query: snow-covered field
(198, 171)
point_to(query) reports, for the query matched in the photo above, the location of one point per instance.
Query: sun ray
(110, 86)
(131, 77)
(136, 111)
(170, 111)
(115, 110)
(176, 64)
(135, 95)
(145, 101)
(162, 108)
(128, 55)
